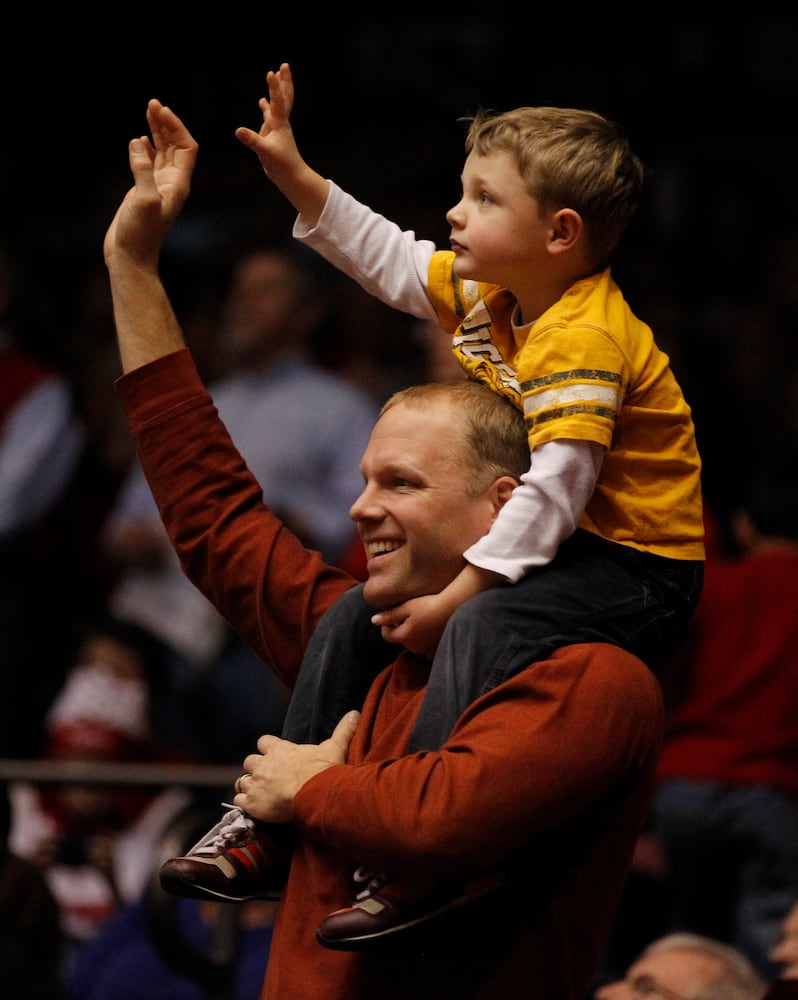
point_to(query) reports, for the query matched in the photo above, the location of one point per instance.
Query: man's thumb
(345, 730)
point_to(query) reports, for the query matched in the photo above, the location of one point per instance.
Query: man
(688, 967)
(547, 777)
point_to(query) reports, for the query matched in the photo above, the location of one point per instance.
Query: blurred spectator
(302, 431)
(785, 951)
(128, 961)
(440, 362)
(162, 947)
(30, 934)
(726, 805)
(41, 447)
(642, 913)
(95, 843)
(783, 989)
(40, 438)
(687, 967)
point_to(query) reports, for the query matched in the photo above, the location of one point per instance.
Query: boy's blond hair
(568, 159)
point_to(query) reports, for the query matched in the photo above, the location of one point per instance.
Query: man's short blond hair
(488, 433)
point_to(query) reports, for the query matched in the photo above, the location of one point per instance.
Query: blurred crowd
(107, 653)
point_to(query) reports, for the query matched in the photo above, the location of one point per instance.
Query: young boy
(603, 539)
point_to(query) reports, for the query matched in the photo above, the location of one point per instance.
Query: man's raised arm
(162, 167)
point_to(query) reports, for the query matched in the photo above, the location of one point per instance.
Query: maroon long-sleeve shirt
(554, 767)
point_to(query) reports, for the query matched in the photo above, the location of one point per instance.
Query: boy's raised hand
(276, 148)
(274, 142)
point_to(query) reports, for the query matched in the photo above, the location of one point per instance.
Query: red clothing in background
(735, 697)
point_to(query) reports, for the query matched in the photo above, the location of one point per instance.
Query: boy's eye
(484, 198)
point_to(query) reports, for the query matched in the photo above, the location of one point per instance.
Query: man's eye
(400, 483)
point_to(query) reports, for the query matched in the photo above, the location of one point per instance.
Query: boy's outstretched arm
(277, 150)
(162, 168)
(418, 624)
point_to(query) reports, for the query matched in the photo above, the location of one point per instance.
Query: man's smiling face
(414, 516)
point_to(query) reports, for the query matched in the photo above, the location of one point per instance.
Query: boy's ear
(567, 229)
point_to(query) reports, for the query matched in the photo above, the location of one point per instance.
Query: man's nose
(612, 991)
(364, 505)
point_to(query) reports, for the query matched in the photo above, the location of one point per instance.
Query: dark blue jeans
(593, 591)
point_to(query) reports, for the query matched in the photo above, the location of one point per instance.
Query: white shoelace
(233, 828)
(374, 881)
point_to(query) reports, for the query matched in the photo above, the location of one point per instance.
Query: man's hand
(276, 148)
(146, 325)
(272, 777)
(162, 168)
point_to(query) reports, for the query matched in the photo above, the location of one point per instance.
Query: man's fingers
(344, 731)
(170, 136)
(264, 742)
(140, 155)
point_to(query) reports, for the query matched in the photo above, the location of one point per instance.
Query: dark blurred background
(710, 105)
(711, 262)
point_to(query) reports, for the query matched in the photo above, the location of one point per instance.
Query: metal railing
(115, 773)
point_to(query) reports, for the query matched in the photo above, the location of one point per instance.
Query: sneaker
(385, 906)
(239, 859)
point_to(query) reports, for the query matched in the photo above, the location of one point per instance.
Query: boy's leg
(242, 858)
(236, 860)
(594, 591)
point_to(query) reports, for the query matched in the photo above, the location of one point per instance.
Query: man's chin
(379, 596)
(373, 596)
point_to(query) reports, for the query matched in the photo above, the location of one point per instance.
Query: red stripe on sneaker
(244, 855)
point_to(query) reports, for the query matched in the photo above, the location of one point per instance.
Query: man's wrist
(122, 265)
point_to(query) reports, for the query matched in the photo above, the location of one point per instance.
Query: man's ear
(502, 491)
(567, 230)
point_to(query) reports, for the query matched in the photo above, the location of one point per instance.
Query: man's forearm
(146, 325)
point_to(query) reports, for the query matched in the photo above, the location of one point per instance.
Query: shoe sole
(172, 883)
(361, 941)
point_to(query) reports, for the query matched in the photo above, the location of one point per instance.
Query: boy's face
(497, 232)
